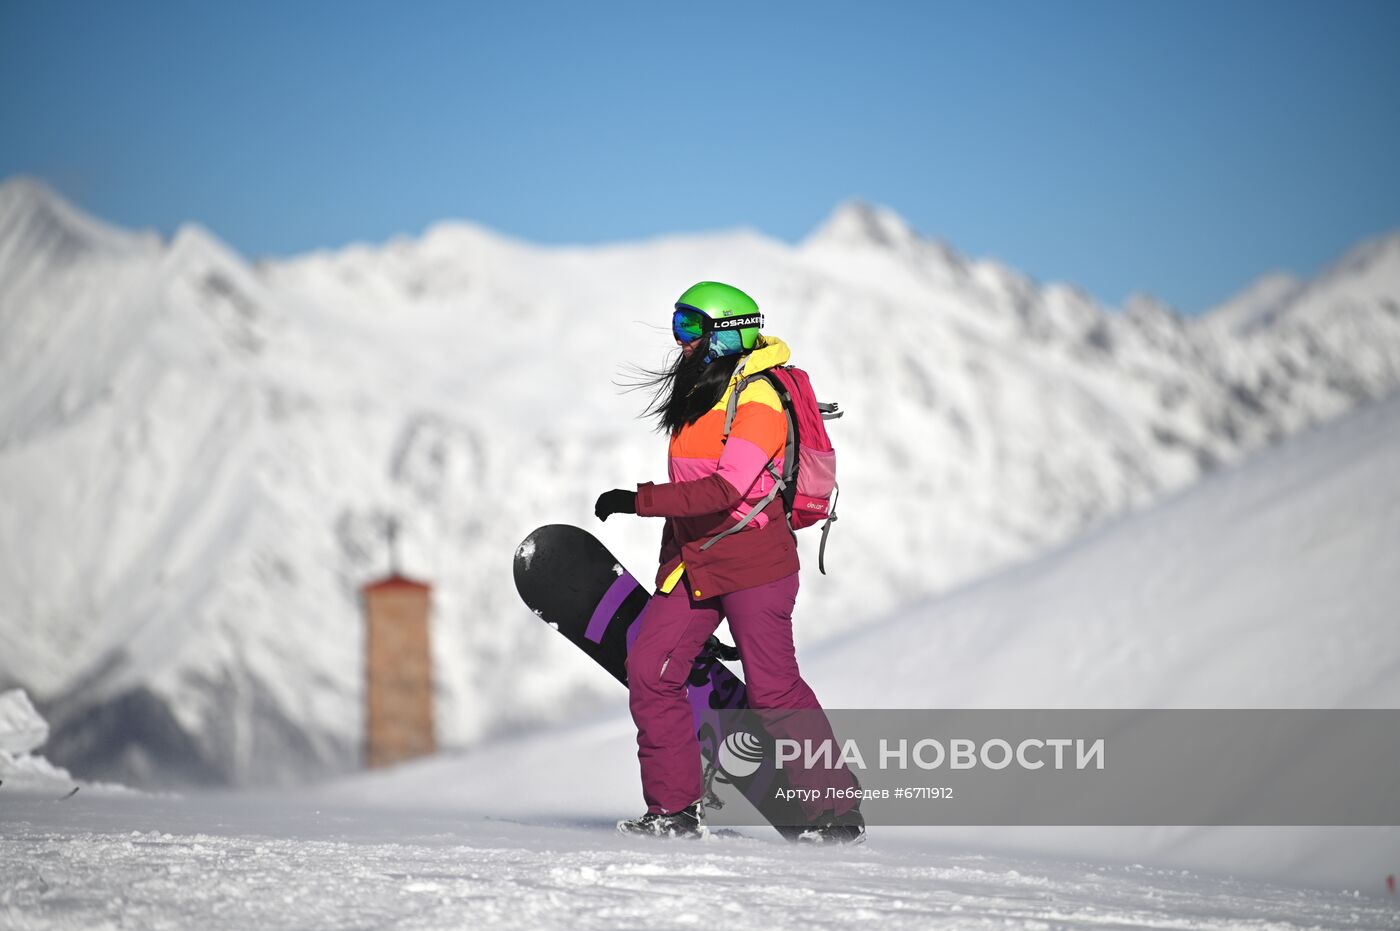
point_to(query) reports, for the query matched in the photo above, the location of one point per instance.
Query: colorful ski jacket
(715, 482)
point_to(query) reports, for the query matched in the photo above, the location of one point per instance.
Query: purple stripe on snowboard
(636, 626)
(608, 605)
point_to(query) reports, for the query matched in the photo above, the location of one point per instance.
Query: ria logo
(740, 755)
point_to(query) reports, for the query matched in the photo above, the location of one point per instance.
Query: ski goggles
(689, 324)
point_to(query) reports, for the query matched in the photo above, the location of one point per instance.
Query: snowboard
(570, 580)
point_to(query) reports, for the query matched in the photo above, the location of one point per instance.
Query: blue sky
(1177, 148)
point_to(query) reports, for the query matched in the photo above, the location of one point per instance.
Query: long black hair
(683, 391)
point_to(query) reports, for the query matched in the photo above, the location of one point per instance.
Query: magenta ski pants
(673, 629)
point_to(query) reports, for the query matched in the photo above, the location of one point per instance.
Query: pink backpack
(808, 478)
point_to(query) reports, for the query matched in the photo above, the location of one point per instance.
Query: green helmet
(720, 302)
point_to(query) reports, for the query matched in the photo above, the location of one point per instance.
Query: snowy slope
(1271, 585)
(1268, 585)
(235, 863)
(197, 453)
(1257, 304)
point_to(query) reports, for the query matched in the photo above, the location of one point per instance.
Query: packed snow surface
(229, 862)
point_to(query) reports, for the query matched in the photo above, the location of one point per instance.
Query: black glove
(617, 501)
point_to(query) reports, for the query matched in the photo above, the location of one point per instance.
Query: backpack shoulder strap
(793, 437)
(781, 479)
(754, 511)
(733, 407)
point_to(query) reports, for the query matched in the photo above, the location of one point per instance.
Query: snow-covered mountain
(197, 453)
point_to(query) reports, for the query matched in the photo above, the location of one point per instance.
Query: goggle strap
(737, 323)
(725, 323)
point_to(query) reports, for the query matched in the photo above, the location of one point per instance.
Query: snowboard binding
(716, 650)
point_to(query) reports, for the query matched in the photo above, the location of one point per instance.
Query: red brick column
(398, 672)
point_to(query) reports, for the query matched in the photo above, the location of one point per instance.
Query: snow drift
(23, 731)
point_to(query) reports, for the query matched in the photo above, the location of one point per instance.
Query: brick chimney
(398, 671)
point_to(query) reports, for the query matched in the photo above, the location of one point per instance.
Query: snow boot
(689, 822)
(833, 829)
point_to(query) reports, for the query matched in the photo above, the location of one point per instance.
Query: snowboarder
(709, 570)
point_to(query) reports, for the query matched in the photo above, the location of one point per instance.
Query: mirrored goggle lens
(688, 325)
(726, 343)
